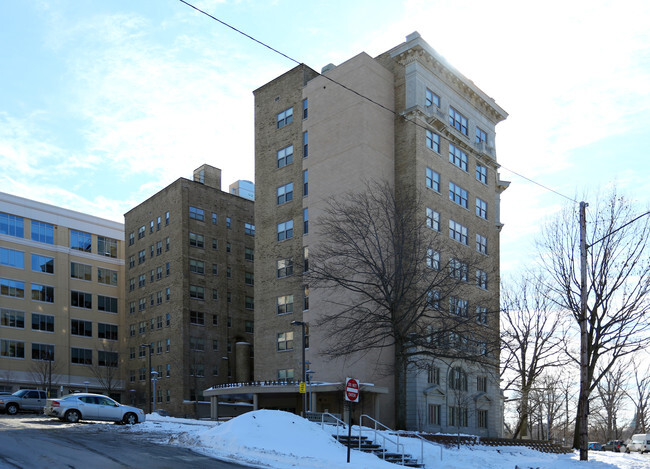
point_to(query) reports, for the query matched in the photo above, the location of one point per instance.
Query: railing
(334, 420)
(399, 447)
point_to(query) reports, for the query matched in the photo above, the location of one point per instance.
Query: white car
(85, 406)
(639, 442)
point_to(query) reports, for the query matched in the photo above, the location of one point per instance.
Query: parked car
(86, 406)
(618, 446)
(594, 446)
(25, 400)
(639, 442)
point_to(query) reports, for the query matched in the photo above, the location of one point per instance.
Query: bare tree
(395, 280)
(612, 393)
(106, 370)
(618, 281)
(45, 372)
(533, 340)
(641, 397)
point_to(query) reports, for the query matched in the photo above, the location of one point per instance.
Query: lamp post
(309, 375)
(149, 383)
(304, 368)
(154, 378)
(86, 383)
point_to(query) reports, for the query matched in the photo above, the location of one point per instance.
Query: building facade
(61, 299)
(417, 123)
(189, 292)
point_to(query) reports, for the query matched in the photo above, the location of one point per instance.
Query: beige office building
(418, 123)
(61, 299)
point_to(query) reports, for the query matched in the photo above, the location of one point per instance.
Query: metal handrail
(338, 421)
(383, 427)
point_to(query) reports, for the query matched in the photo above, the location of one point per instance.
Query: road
(34, 441)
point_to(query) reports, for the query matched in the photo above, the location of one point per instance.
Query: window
(249, 278)
(305, 258)
(284, 304)
(284, 268)
(228, 222)
(481, 383)
(433, 375)
(285, 118)
(167, 244)
(42, 322)
(168, 345)
(131, 307)
(167, 320)
(107, 331)
(433, 180)
(13, 258)
(431, 99)
(197, 343)
(151, 226)
(167, 294)
(107, 246)
(481, 279)
(249, 229)
(196, 292)
(458, 232)
(142, 280)
(284, 194)
(131, 262)
(197, 213)
(80, 241)
(457, 416)
(142, 304)
(197, 318)
(12, 288)
(42, 232)
(248, 327)
(458, 269)
(481, 315)
(249, 254)
(12, 348)
(458, 194)
(108, 304)
(228, 272)
(107, 277)
(305, 144)
(228, 247)
(159, 273)
(458, 157)
(142, 256)
(81, 356)
(434, 414)
(285, 230)
(433, 141)
(12, 318)
(433, 299)
(481, 208)
(131, 239)
(481, 173)
(196, 240)
(80, 271)
(158, 224)
(198, 267)
(305, 107)
(458, 306)
(106, 358)
(285, 341)
(457, 120)
(42, 293)
(158, 248)
(481, 136)
(481, 244)
(81, 327)
(166, 218)
(286, 374)
(249, 302)
(458, 379)
(12, 225)
(285, 156)
(81, 299)
(141, 232)
(433, 259)
(482, 418)
(167, 269)
(168, 371)
(433, 219)
(151, 249)
(305, 221)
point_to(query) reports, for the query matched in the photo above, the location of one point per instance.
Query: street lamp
(154, 378)
(304, 369)
(149, 384)
(309, 375)
(86, 383)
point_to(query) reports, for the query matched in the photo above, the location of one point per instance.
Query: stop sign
(351, 390)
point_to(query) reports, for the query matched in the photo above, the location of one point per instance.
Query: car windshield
(20, 393)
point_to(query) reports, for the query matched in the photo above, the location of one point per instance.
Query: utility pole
(583, 398)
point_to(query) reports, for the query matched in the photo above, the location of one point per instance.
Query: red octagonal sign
(351, 390)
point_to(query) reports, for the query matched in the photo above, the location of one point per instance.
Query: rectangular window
(166, 218)
(151, 226)
(434, 414)
(284, 194)
(284, 268)
(433, 180)
(81, 271)
(81, 327)
(431, 99)
(215, 269)
(12, 348)
(285, 230)
(158, 224)
(108, 359)
(107, 277)
(457, 416)
(433, 259)
(131, 262)
(285, 156)
(285, 374)
(42, 322)
(457, 120)
(458, 157)
(12, 225)
(458, 232)
(197, 213)
(284, 304)
(305, 108)
(12, 288)
(142, 280)
(142, 256)
(284, 118)
(81, 356)
(481, 244)
(81, 299)
(305, 144)
(196, 240)
(106, 331)
(141, 232)
(80, 241)
(196, 292)
(131, 239)
(433, 141)
(481, 173)
(481, 208)
(248, 327)
(305, 221)
(167, 244)
(106, 246)
(249, 229)
(458, 194)
(167, 294)
(197, 317)
(458, 306)
(482, 419)
(249, 279)
(481, 383)
(481, 136)
(481, 279)
(433, 299)
(249, 254)
(433, 375)
(42, 293)
(42, 232)
(12, 318)
(249, 302)
(107, 304)
(305, 298)
(13, 258)
(433, 219)
(228, 272)
(158, 248)
(305, 258)
(198, 267)
(481, 315)
(197, 343)
(131, 307)
(142, 304)
(159, 273)
(285, 341)
(458, 269)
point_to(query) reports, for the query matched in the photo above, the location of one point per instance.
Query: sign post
(352, 396)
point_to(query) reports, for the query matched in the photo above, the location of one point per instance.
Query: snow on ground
(276, 439)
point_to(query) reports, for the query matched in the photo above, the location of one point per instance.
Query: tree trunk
(400, 388)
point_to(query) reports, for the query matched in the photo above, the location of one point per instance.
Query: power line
(396, 114)
(618, 229)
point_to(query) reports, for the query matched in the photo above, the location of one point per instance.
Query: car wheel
(12, 409)
(130, 419)
(73, 416)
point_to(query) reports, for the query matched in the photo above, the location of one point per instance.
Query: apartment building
(189, 293)
(61, 299)
(419, 124)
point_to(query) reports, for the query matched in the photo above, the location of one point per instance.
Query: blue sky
(103, 103)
